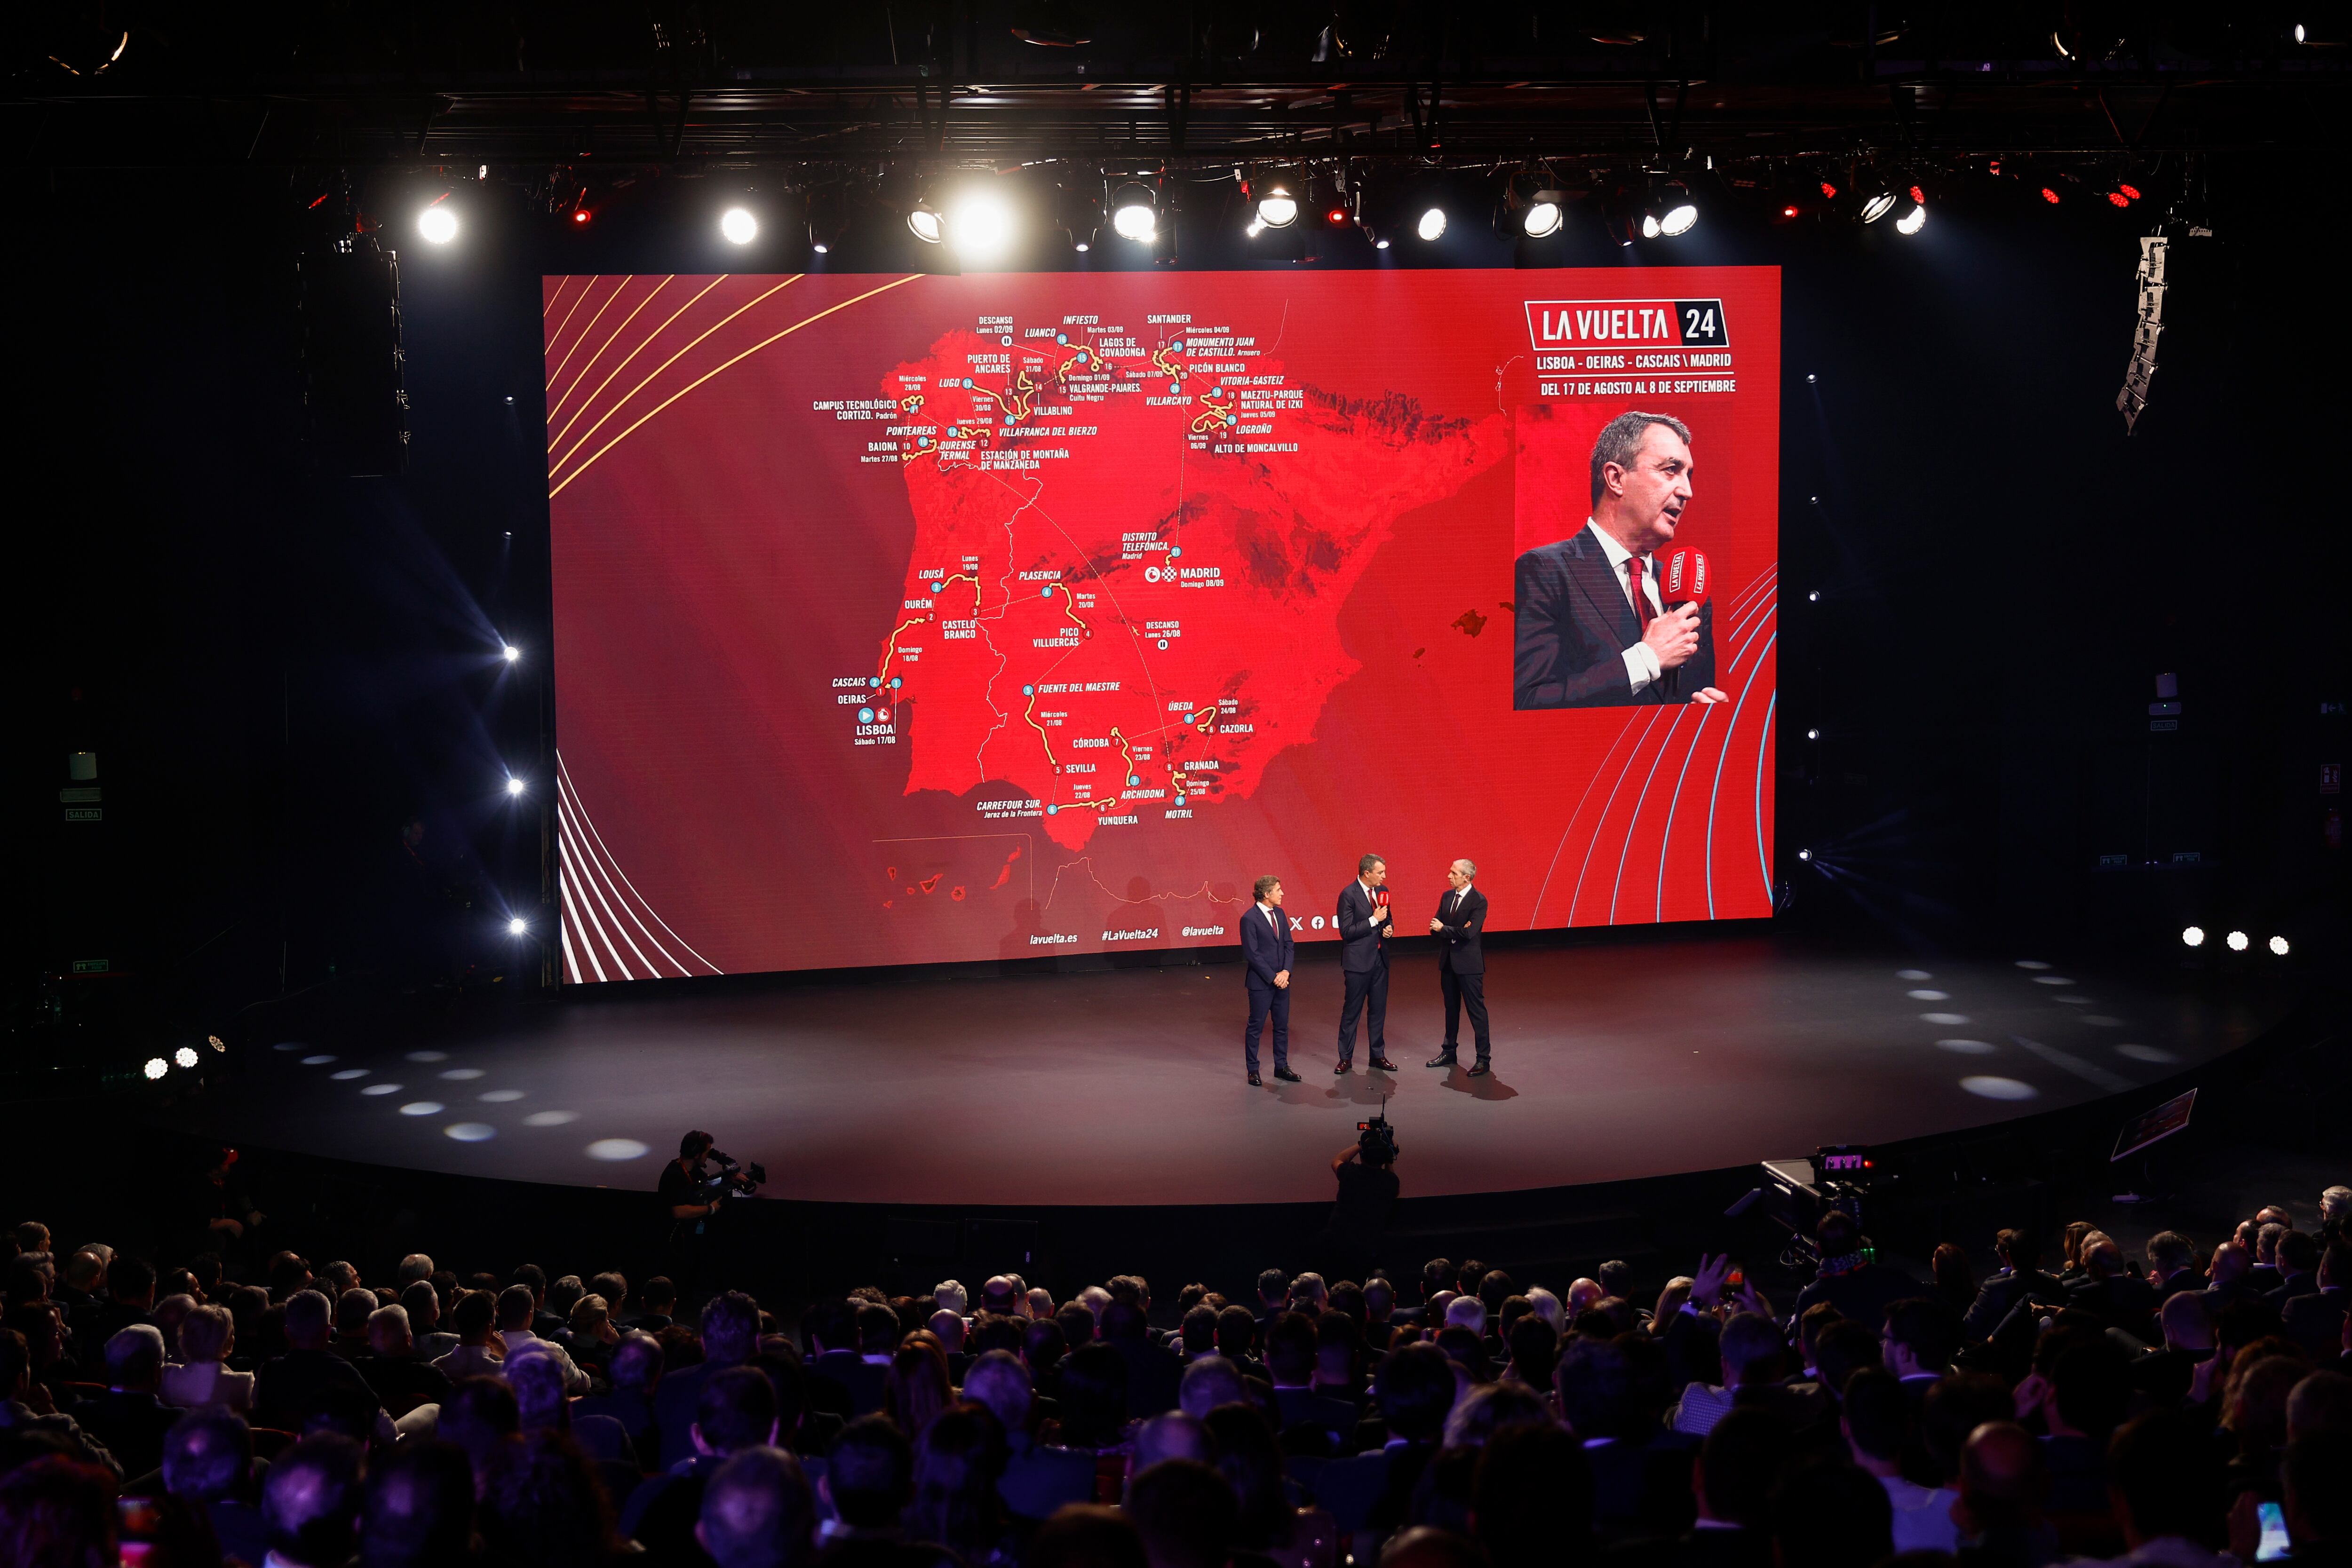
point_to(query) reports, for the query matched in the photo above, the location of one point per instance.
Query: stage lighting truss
(1135, 213)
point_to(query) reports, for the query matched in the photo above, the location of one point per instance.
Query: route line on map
(1201, 892)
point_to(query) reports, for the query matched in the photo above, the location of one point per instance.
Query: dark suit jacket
(2003, 1292)
(848, 1385)
(2315, 1321)
(1154, 1375)
(2291, 1286)
(1462, 953)
(1574, 622)
(1361, 949)
(290, 1388)
(1266, 951)
(2119, 1301)
(132, 1425)
(1305, 1406)
(1038, 1479)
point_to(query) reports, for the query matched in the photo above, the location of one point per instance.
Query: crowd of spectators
(2076, 1405)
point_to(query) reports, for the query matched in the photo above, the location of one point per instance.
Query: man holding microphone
(1364, 921)
(1462, 962)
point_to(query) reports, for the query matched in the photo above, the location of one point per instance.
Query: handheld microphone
(1684, 579)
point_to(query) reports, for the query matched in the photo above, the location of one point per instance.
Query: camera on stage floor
(734, 1180)
(1376, 1141)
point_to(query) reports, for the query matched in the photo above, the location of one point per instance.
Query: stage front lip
(1612, 1063)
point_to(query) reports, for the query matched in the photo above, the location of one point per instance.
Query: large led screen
(919, 619)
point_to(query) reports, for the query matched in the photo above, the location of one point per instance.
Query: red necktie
(1641, 599)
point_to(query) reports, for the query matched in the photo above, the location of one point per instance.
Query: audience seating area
(2186, 1407)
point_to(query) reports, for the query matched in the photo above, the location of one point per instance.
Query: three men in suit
(1462, 963)
(1592, 631)
(1364, 925)
(1267, 951)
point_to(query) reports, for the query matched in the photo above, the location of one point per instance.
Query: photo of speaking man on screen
(1596, 626)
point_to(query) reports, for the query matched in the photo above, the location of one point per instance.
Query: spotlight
(982, 226)
(1805, 855)
(518, 926)
(514, 786)
(1135, 213)
(510, 653)
(1914, 220)
(216, 1043)
(437, 224)
(2237, 941)
(1380, 245)
(2192, 937)
(1277, 201)
(926, 224)
(2278, 946)
(1790, 210)
(185, 1056)
(1813, 734)
(155, 1068)
(1543, 215)
(1876, 205)
(739, 225)
(1677, 211)
(1432, 226)
(1814, 596)
(2048, 195)
(1082, 248)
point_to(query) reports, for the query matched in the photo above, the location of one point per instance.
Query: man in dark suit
(1592, 628)
(1462, 963)
(1364, 925)
(2019, 1278)
(2317, 1320)
(1267, 949)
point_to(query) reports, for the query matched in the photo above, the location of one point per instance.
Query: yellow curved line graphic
(591, 364)
(651, 338)
(730, 364)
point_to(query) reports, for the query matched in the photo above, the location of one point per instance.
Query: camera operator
(1350, 1244)
(693, 1195)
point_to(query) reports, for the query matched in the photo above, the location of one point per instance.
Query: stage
(1612, 1060)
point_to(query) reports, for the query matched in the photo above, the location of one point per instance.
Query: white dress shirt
(1642, 666)
(1273, 917)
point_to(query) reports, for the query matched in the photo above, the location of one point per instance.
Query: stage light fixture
(437, 224)
(1813, 734)
(155, 1068)
(2237, 941)
(510, 653)
(2192, 937)
(1914, 220)
(2278, 946)
(518, 926)
(1277, 201)
(1790, 210)
(1380, 244)
(515, 786)
(216, 1043)
(923, 221)
(980, 225)
(1814, 596)
(739, 227)
(1135, 213)
(185, 1056)
(1877, 204)
(1543, 215)
(2048, 195)
(1678, 210)
(1805, 855)
(1432, 226)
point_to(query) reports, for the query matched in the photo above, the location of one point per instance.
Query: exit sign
(91, 966)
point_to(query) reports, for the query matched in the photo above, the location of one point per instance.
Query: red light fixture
(1790, 211)
(2118, 199)
(1918, 196)
(1336, 217)
(1829, 192)
(2131, 193)
(2048, 195)
(580, 214)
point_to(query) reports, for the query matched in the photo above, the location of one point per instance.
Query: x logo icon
(1296, 925)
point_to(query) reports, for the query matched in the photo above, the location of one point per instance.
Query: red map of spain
(1132, 541)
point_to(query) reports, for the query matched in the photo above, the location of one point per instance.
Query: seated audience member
(1920, 1336)
(2018, 1279)
(2172, 1264)
(390, 1367)
(1731, 1483)
(1954, 1408)
(2315, 1500)
(2254, 1416)
(1036, 1479)
(2298, 1269)
(1373, 1490)
(1877, 1422)
(2003, 1487)
(129, 1298)
(418, 1509)
(128, 1418)
(19, 1417)
(2228, 1279)
(1244, 1450)
(480, 1351)
(2319, 1403)
(2109, 1291)
(1843, 1349)
(1170, 1435)
(1186, 1513)
(202, 1376)
(2167, 1491)
(1753, 1352)
(1237, 1341)
(759, 1512)
(1290, 1359)
(1531, 1499)
(958, 1461)
(1535, 1347)
(422, 1304)
(208, 1464)
(730, 1333)
(1848, 1279)
(868, 1481)
(1087, 1535)
(916, 1388)
(589, 1333)
(1152, 1369)
(2315, 1320)
(656, 1300)
(310, 1501)
(1210, 1382)
(1829, 1515)
(56, 1510)
(542, 1507)
(291, 1385)
(1955, 1276)
(635, 1370)
(479, 1417)
(353, 1309)
(841, 1380)
(518, 1315)
(735, 1410)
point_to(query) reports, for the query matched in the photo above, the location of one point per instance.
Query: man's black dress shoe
(1342, 1070)
(1443, 1059)
(1479, 1070)
(1256, 1081)
(1382, 1064)
(1285, 1075)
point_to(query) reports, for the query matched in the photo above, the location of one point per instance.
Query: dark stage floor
(1126, 1087)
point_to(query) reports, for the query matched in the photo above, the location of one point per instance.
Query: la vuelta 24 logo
(1556, 324)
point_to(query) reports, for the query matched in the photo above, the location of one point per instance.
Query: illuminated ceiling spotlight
(1275, 200)
(738, 226)
(2237, 941)
(518, 926)
(2192, 937)
(1431, 226)
(1805, 855)
(1915, 218)
(828, 218)
(1673, 211)
(1877, 201)
(510, 653)
(185, 1057)
(980, 225)
(216, 1043)
(437, 224)
(2278, 946)
(515, 787)
(924, 222)
(155, 1068)
(1135, 213)
(1543, 215)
